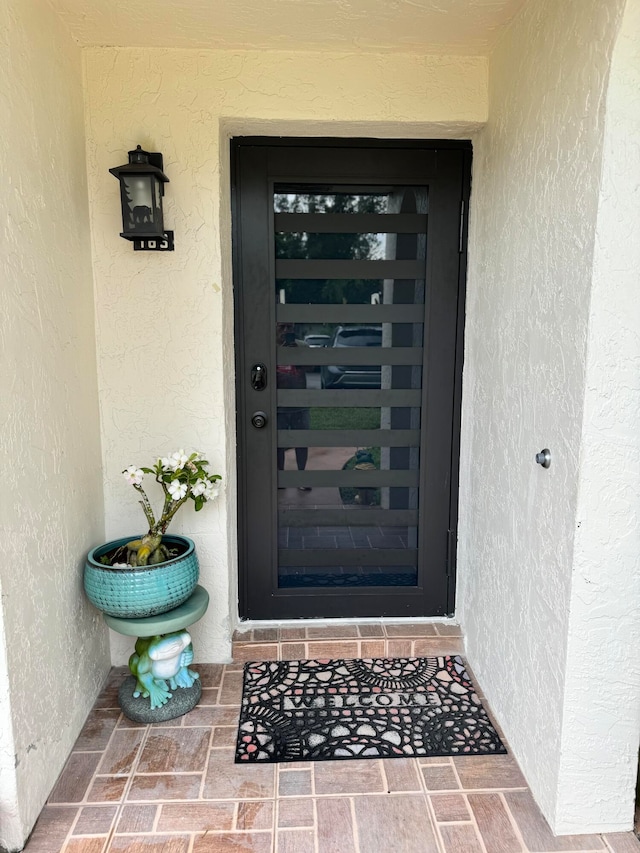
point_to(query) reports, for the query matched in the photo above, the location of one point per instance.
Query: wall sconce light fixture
(141, 189)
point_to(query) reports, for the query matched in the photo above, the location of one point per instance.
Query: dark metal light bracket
(155, 245)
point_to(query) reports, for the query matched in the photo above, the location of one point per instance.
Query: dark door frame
(464, 146)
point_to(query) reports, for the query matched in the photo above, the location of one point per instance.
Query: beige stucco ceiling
(434, 26)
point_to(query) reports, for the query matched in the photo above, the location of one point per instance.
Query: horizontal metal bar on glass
(365, 479)
(350, 557)
(320, 268)
(354, 398)
(349, 355)
(346, 314)
(348, 438)
(351, 223)
(359, 516)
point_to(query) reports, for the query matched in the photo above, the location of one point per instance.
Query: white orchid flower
(167, 463)
(177, 490)
(134, 476)
(199, 487)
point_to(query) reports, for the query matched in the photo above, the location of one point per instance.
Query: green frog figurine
(161, 664)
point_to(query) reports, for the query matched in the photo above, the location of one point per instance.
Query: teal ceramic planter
(141, 591)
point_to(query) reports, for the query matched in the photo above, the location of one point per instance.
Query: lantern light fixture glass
(142, 183)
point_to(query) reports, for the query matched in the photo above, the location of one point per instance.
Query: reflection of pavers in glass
(351, 576)
(345, 570)
(333, 537)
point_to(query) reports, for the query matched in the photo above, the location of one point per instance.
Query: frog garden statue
(160, 664)
(161, 685)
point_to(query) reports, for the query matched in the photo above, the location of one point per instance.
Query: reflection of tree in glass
(335, 246)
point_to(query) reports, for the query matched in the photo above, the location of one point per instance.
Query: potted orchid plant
(154, 572)
(182, 478)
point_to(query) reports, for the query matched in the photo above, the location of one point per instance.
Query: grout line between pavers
(513, 822)
(234, 819)
(457, 776)
(328, 796)
(175, 772)
(71, 828)
(431, 812)
(91, 835)
(312, 772)
(156, 818)
(385, 778)
(354, 827)
(196, 832)
(88, 751)
(475, 823)
(129, 783)
(275, 829)
(316, 829)
(333, 796)
(205, 772)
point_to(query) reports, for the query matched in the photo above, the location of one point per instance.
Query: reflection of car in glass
(317, 340)
(348, 376)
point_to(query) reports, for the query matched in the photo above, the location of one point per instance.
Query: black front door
(349, 295)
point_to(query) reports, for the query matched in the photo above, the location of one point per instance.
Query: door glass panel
(306, 244)
(362, 291)
(352, 307)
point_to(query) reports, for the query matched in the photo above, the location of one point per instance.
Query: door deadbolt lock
(259, 420)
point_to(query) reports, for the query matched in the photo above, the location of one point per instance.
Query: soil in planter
(119, 555)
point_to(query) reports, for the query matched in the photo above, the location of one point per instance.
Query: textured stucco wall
(52, 507)
(602, 693)
(165, 321)
(358, 26)
(535, 203)
(10, 829)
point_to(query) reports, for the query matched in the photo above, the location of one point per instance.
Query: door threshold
(343, 638)
(245, 625)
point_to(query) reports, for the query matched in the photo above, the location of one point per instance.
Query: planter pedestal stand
(156, 633)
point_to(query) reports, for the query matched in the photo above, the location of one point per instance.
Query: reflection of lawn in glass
(339, 418)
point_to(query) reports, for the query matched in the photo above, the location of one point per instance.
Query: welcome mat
(306, 710)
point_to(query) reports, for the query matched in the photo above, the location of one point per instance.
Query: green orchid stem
(146, 507)
(170, 509)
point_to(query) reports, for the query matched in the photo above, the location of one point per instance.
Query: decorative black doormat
(306, 710)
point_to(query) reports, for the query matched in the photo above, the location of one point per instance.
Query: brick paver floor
(174, 787)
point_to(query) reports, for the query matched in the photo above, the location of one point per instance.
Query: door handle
(258, 377)
(259, 420)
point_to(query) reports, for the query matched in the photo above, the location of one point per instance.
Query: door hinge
(460, 244)
(451, 551)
